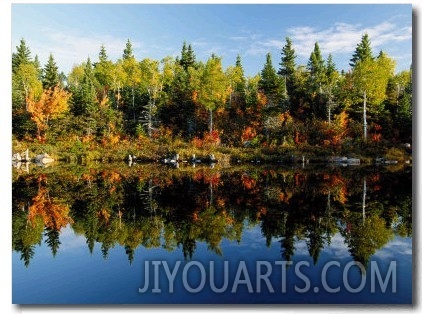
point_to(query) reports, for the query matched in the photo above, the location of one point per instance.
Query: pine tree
(269, 82)
(362, 52)
(287, 65)
(89, 95)
(316, 65)
(331, 67)
(188, 57)
(128, 51)
(240, 74)
(50, 77)
(22, 56)
(103, 54)
(37, 65)
(316, 80)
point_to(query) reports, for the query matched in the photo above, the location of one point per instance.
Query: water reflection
(156, 207)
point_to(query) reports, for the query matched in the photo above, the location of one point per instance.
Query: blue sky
(72, 32)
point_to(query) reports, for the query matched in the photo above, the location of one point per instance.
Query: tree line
(315, 105)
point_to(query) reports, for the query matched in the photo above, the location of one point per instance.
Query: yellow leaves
(52, 104)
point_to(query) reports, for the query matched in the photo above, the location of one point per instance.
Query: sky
(74, 32)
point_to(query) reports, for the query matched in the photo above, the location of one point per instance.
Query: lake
(152, 234)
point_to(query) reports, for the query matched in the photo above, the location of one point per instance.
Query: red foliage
(248, 134)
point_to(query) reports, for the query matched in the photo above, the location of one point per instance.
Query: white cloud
(393, 249)
(343, 37)
(69, 48)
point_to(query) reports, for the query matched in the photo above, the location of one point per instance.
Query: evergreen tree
(52, 239)
(362, 52)
(128, 51)
(88, 87)
(288, 65)
(316, 66)
(240, 84)
(331, 67)
(270, 82)
(103, 71)
(316, 80)
(103, 54)
(331, 78)
(21, 56)
(50, 77)
(188, 57)
(37, 66)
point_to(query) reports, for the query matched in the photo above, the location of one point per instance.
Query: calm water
(99, 234)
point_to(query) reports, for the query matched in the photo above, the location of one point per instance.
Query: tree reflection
(176, 209)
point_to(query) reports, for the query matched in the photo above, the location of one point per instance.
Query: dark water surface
(148, 234)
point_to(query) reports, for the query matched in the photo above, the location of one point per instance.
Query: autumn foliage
(52, 104)
(54, 213)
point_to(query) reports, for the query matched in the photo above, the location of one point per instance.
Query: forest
(106, 110)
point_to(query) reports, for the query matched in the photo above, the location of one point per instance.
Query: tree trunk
(210, 121)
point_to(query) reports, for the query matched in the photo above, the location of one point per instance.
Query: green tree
(237, 81)
(152, 85)
(21, 56)
(128, 51)
(329, 85)
(370, 78)
(103, 71)
(288, 65)
(50, 77)
(317, 69)
(187, 59)
(133, 73)
(37, 66)
(362, 52)
(25, 80)
(118, 78)
(213, 87)
(270, 82)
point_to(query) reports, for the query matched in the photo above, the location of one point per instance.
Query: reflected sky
(75, 276)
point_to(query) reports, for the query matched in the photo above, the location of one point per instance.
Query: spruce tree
(269, 80)
(288, 65)
(188, 57)
(21, 56)
(240, 85)
(128, 51)
(103, 54)
(37, 65)
(362, 52)
(50, 77)
(316, 64)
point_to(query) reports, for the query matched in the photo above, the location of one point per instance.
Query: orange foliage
(197, 142)
(262, 99)
(52, 104)
(110, 140)
(104, 214)
(248, 134)
(54, 214)
(212, 138)
(111, 176)
(212, 178)
(248, 182)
